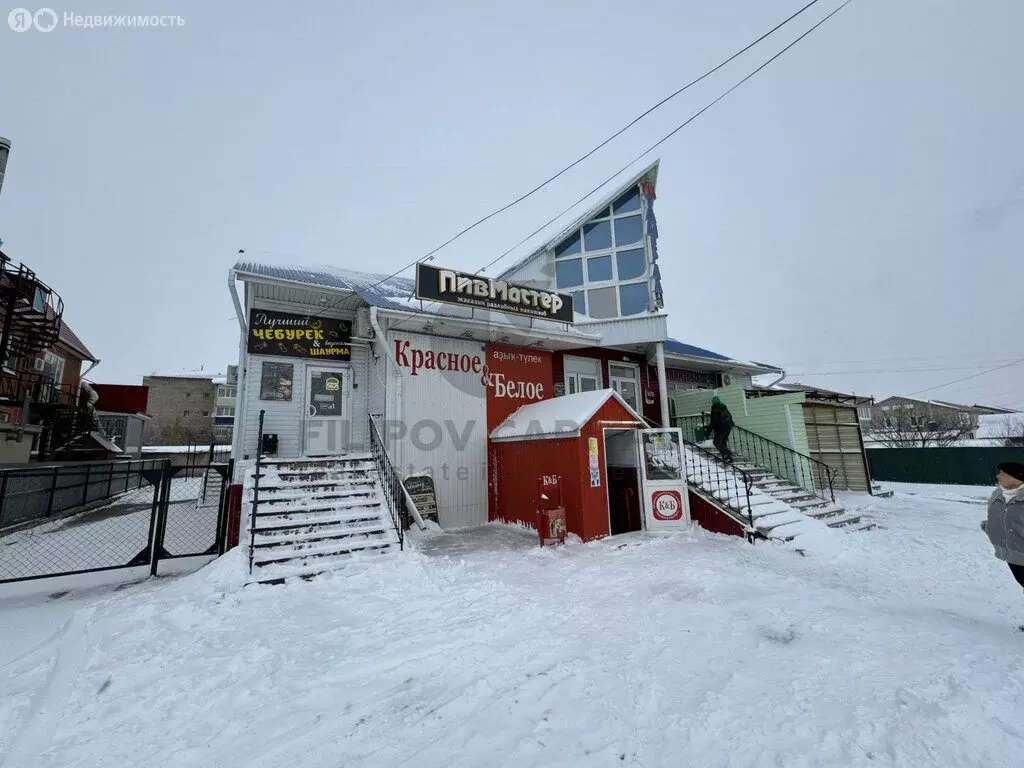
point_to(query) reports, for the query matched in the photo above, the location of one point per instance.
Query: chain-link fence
(80, 518)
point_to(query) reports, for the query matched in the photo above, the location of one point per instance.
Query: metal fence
(83, 518)
(957, 466)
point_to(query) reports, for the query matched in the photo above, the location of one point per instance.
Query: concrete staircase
(832, 513)
(311, 516)
(775, 509)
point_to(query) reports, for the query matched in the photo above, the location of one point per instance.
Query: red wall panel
(712, 518)
(516, 376)
(122, 398)
(516, 466)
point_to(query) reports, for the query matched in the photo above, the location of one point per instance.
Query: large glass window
(568, 246)
(632, 263)
(630, 201)
(612, 245)
(599, 269)
(601, 303)
(634, 298)
(276, 381)
(569, 273)
(579, 302)
(628, 230)
(597, 236)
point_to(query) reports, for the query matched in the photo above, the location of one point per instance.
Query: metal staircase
(774, 491)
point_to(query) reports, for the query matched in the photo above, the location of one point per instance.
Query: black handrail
(255, 492)
(809, 473)
(717, 478)
(394, 492)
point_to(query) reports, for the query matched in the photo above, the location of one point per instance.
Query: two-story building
(441, 359)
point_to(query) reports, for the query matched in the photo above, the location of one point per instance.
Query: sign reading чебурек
(452, 287)
(287, 335)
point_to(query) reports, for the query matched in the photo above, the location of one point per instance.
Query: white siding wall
(458, 463)
(287, 419)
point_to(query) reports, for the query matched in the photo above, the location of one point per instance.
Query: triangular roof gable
(651, 171)
(559, 416)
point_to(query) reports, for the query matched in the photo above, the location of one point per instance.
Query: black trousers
(1018, 573)
(721, 441)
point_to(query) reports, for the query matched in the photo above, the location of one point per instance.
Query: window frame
(584, 255)
(272, 364)
(635, 380)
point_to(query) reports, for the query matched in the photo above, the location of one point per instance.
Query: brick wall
(182, 410)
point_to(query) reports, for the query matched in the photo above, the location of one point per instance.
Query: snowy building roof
(676, 348)
(394, 293)
(558, 417)
(185, 374)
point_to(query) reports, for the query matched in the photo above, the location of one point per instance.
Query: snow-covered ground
(480, 649)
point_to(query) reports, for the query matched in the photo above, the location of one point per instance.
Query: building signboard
(449, 286)
(288, 335)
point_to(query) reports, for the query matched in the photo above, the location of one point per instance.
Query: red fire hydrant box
(550, 512)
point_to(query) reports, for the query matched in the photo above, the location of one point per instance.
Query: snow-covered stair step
(283, 539)
(808, 504)
(842, 522)
(773, 523)
(275, 489)
(314, 566)
(821, 513)
(311, 550)
(314, 503)
(314, 460)
(314, 474)
(797, 495)
(279, 500)
(334, 517)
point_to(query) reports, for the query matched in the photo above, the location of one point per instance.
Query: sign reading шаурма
(286, 335)
(467, 290)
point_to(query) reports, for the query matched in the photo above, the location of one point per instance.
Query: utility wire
(656, 144)
(965, 378)
(671, 133)
(886, 370)
(603, 144)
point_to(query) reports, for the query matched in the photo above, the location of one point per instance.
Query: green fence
(948, 466)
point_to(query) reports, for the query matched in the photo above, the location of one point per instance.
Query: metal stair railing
(255, 492)
(394, 491)
(811, 474)
(711, 474)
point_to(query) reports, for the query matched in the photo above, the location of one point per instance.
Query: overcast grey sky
(858, 206)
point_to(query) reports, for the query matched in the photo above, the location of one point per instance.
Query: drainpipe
(772, 384)
(379, 333)
(238, 427)
(659, 356)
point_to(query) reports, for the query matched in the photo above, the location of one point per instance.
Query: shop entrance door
(327, 425)
(663, 479)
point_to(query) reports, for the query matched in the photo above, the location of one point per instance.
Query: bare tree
(917, 426)
(1011, 430)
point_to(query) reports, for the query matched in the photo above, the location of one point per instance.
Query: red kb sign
(668, 505)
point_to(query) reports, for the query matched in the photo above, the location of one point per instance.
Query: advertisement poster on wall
(287, 335)
(663, 456)
(515, 376)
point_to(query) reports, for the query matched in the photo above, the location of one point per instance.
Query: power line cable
(654, 146)
(602, 144)
(861, 371)
(671, 133)
(966, 378)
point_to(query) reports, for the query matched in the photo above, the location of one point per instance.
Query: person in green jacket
(720, 427)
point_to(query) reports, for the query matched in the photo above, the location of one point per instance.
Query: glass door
(327, 422)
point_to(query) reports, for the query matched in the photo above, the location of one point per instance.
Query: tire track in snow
(36, 734)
